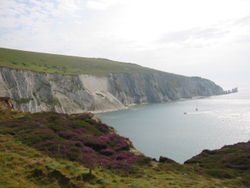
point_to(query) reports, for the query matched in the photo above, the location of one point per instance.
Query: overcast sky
(207, 38)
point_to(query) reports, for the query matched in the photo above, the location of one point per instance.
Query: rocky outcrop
(166, 160)
(35, 91)
(6, 103)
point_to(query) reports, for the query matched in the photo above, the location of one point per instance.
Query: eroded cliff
(36, 91)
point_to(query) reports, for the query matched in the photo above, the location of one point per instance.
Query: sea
(180, 130)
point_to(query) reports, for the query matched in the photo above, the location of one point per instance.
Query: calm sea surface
(164, 130)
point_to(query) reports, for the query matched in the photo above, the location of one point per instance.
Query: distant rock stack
(6, 103)
(234, 90)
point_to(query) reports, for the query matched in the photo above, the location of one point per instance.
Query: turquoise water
(164, 130)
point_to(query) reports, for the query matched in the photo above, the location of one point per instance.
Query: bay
(182, 129)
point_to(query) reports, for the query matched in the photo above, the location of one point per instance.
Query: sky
(207, 38)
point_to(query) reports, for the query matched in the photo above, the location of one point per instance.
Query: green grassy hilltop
(62, 64)
(51, 150)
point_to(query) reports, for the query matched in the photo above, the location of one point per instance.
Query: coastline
(134, 104)
(166, 121)
(116, 109)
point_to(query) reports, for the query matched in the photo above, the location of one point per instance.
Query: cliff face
(34, 91)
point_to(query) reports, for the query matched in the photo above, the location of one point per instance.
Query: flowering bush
(87, 149)
(126, 156)
(103, 128)
(76, 138)
(105, 138)
(76, 134)
(107, 151)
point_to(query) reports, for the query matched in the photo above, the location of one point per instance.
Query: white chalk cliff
(36, 91)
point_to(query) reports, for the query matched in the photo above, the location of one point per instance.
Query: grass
(10, 114)
(23, 100)
(228, 162)
(22, 165)
(69, 65)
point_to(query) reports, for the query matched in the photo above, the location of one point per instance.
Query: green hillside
(22, 166)
(52, 63)
(54, 150)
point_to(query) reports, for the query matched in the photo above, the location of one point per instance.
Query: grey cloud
(243, 24)
(243, 21)
(245, 39)
(193, 35)
(179, 36)
(210, 33)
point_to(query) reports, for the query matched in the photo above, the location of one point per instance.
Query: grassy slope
(52, 63)
(228, 162)
(21, 165)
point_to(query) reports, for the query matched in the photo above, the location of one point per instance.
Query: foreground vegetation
(59, 150)
(62, 64)
(229, 162)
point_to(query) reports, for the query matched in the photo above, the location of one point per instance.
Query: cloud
(241, 30)
(228, 32)
(101, 4)
(195, 37)
(243, 21)
(15, 14)
(37, 25)
(210, 33)
(25, 13)
(154, 33)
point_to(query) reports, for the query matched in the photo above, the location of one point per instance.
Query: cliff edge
(36, 84)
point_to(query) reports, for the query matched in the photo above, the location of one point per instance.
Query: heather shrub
(36, 137)
(76, 134)
(56, 127)
(126, 156)
(73, 137)
(103, 128)
(95, 145)
(107, 151)
(87, 149)
(66, 149)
